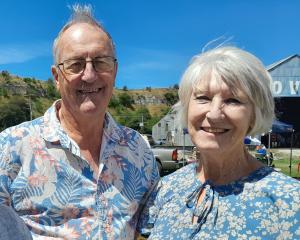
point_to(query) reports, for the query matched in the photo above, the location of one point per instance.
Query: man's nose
(215, 111)
(89, 73)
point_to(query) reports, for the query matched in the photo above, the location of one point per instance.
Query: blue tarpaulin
(281, 127)
(251, 141)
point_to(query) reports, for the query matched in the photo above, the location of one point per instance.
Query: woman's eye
(232, 101)
(202, 99)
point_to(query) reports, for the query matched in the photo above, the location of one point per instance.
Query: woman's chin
(209, 148)
(220, 149)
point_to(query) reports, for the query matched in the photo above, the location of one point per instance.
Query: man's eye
(100, 63)
(75, 65)
(232, 101)
(103, 64)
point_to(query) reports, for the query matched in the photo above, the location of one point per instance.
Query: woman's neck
(224, 168)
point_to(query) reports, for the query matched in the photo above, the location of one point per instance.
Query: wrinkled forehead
(84, 35)
(204, 82)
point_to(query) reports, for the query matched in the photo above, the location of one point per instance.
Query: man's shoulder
(133, 135)
(123, 133)
(21, 130)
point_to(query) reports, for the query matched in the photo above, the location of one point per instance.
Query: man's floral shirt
(263, 205)
(52, 187)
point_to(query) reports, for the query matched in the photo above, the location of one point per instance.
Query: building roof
(274, 65)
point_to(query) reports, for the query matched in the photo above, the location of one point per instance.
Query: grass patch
(283, 164)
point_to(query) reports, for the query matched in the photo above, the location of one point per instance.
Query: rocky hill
(138, 108)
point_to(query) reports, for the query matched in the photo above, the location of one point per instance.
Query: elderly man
(74, 173)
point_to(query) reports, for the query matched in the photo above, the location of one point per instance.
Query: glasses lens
(74, 66)
(104, 64)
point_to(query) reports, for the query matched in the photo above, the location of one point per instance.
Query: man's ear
(54, 71)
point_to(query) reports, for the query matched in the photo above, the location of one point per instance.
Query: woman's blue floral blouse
(264, 205)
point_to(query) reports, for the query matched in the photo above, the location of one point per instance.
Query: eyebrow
(234, 93)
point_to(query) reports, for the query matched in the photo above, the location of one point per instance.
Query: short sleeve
(149, 212)
(5, 179)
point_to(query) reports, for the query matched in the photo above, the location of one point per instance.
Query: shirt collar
(54, 133)
(112, 130)
(52, 126)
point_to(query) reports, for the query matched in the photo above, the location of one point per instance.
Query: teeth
(214, 130)
(90, 90)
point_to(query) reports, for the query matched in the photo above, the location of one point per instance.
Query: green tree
(27, 80)
(6, 76)
(150, 123)
(13, 111)
(114, 102)
(127, 118)
(3, 92)
(148, 120)
(171, 98)
(51, 89)
(126, 100)
(176, 86)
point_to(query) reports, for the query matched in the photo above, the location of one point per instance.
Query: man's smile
(89, 90)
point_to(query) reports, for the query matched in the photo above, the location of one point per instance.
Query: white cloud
(19, 53)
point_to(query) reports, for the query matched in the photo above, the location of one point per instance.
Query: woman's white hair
(240, 70)
(80, 14)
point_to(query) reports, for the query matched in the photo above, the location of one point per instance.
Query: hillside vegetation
(22, 99)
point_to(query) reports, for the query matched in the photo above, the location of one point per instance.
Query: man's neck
(86, 132)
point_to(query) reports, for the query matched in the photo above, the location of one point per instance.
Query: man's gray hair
(80, 14)
(240, 70)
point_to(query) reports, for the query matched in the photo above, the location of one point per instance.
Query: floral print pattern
(263, 205)
(52, 187)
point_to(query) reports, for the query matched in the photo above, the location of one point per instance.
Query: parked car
(168, 158)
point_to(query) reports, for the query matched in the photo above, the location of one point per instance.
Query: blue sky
(154, 39)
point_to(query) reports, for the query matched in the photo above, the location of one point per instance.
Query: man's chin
(90, 108)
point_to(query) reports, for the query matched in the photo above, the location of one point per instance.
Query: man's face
(87, 93)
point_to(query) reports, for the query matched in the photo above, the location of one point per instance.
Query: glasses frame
(86, 61)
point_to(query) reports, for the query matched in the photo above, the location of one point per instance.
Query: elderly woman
(224, 95)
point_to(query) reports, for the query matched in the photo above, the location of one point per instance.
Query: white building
(168, 130)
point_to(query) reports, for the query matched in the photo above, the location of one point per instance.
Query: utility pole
(142, 123)
(30, 106)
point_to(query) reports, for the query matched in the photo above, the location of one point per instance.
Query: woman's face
(218, 120)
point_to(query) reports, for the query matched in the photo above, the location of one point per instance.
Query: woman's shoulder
(185, 173)
(179, 181)
(279, 180)
(277, 184)
(284, 182)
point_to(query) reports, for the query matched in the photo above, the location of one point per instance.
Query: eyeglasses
(77, 66)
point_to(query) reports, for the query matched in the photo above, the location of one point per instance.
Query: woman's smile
(214, 130)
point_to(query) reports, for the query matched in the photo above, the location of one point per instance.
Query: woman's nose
(215, 111)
